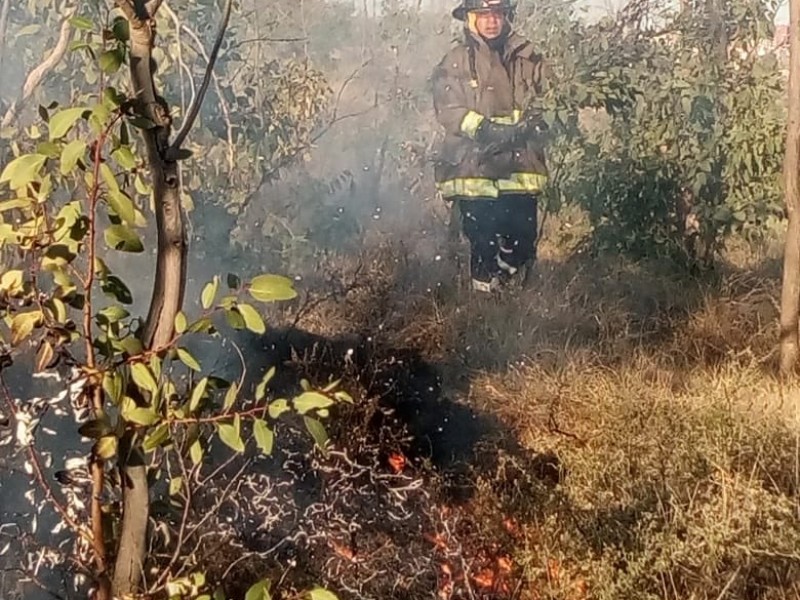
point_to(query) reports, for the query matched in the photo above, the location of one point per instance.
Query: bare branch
(4, 10)
(37, 75)
(222, 103)
(194, 110)
(269, 40)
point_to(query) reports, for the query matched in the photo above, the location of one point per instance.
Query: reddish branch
(94, 392)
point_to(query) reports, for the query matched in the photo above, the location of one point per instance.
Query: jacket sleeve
(450, 101)
(538, 86)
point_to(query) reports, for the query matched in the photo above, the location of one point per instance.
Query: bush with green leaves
(668, 125)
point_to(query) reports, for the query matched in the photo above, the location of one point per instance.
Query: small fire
(397, 462)
(343, 551)
(484, 579)
(505, 564)
(437, 540)
(553, 570)
(511, 526)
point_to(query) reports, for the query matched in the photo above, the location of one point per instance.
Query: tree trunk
(790, 296)
(168, 287)
(4, 10)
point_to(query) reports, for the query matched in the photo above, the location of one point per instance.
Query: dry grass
(654, 393)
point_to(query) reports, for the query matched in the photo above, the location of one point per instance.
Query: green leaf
(111, 60)
(15, 204)
(124, 157)
(156, 438)
(180, 322)
(106, 447)
(319, 593)
(108, 177)
(144, 378)
(209, 293)
(231, 436)
(175, 485)
(270, 288)
(343, 397)
(95, 429)
(140, 416)
(22, 170)
(252, 319)
(61, 122)
(233, 281)
(122, 205)
(120, 237)
(259, 591)
(22, 325)
(202, 325)
(196, 452)
(230, 396)
(121, 29)
(278, 407)
(197, 394)
(235, 319)
(82, 23)
(261, 388)
(113, 314)
(71, 154)
(265, 438)
(50, 149)
(11, 281)
(112, 384)
(114, 287)
(310, 401)
(187, 359)
(317, 431)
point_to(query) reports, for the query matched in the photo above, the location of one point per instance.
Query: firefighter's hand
(499, 137)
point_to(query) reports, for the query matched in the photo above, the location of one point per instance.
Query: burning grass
(612, 432)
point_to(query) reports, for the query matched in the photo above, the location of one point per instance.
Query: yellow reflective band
(523, 182)
(472, 120)
(508, 120)
(480, 187)
(472, 187)
(470, 123)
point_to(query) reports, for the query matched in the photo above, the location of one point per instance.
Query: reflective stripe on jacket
(474, 82)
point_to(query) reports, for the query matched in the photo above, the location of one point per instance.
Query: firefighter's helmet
(460, 12)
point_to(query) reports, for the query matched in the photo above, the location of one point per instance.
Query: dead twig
(38, 74)
(194, 109)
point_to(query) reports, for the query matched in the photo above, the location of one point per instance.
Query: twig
(4, 10)
(730, 583)
(37, 75)
(39, 474)
(267, 39)
(222, 103)
(194, 110)
(35, 580)
(166, 571)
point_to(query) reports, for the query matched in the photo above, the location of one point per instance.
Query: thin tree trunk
(168, 287)
(170, 277)
(790, 296)
(4, 10)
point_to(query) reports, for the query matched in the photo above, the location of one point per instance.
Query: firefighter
(491, 164)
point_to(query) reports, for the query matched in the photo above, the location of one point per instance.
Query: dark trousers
(501, 232)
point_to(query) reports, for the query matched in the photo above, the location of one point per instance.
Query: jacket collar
(515, 44)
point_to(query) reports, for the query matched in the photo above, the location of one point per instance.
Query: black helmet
(460, 12)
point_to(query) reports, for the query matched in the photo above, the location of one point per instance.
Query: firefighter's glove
(498, 137)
